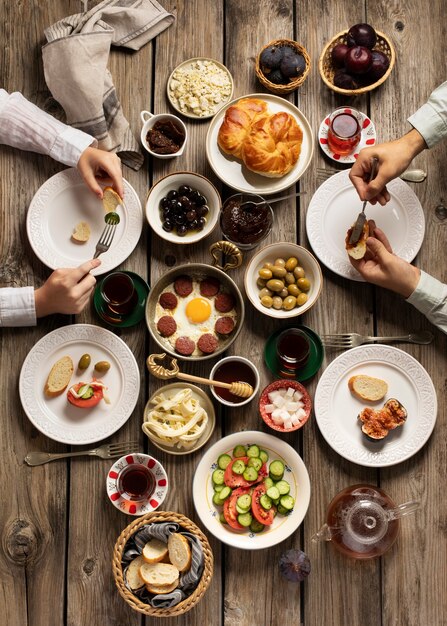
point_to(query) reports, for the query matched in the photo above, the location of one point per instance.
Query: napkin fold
(75, 66)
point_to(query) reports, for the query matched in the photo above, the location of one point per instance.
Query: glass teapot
(363, 522)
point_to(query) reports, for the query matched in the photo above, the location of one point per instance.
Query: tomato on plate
(229, 508)
(263, 516)
(86, 403)
(237, 480)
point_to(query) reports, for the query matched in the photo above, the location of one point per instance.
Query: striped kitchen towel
(75, 65)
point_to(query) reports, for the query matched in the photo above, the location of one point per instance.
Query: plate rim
(381, 350)
(76, 328)
(282, 448)
(266, 97)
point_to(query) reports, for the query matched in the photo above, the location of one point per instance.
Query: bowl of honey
(234, 369)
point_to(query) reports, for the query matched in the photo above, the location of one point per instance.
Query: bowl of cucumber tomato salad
(251, 490)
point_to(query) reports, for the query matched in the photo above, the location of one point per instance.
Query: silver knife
(361, 219)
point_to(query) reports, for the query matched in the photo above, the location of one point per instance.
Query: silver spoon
(268, 201)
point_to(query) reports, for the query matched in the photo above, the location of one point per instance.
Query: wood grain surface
(57, 526)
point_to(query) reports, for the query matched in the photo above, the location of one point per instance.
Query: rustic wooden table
(57, 527)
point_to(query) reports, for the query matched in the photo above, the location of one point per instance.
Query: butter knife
(361, 219)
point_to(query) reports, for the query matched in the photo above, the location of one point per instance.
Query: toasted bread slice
(159, 574)
(368, 388)
(133, 578)
(154, 551)
(179, 551)
(81, 233)
(110, 199)
(59, 377)
(358, 250)
(162, 588)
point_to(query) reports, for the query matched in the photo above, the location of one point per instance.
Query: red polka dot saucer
(137, 484)
(368, 139)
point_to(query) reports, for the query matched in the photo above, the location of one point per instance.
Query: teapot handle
(408, 508)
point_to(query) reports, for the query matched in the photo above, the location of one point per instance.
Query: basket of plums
(357, 60)
(282, 66)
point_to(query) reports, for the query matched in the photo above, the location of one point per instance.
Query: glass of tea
(292, 350)
(136, 483)
(345, 130)
(118, 294)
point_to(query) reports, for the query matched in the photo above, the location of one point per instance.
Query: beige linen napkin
(75, 65)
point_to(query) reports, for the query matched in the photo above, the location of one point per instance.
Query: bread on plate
(179, 551)
(59, 377)
(368, 387)
(357, 250)
(154, 551)
(81, 233)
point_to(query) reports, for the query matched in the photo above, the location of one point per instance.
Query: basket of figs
(282, 66)
(356, 60)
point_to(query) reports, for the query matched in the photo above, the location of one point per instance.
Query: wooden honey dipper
(240, 389)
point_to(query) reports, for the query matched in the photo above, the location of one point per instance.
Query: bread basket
(327, 70)
(293, 84)
(189, 602)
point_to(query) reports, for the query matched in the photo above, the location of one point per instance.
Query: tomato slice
(83, 403)
(229, 508)
(237, 480)
(263, 516)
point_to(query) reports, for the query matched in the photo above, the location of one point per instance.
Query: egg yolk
(198, 310)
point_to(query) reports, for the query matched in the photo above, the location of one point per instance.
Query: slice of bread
(358, 250)
(110, 200)
(159, 574)
(154, 551)
(162, 588)
(59, 377)
(179, 551)
(368, 388)
(133, 578)
(81, 233)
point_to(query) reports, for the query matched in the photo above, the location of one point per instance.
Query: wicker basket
(202, 586)
(327, 70)
(294, 84)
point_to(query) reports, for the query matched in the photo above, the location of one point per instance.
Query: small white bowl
(149, 119)
(253, 369)
(173, 181)
(283, 250)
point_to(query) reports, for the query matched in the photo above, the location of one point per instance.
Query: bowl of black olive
(282, 66)
(183, 207)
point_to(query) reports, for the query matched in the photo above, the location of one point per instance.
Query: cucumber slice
(245, 519)
(244, 502)
(255, 462)
(276, 470)
(216, 499)
(218, 477)
(223, 461)
(224, 493)
(265, 502)
(283, 487)
(276, 501)
(222, 519)
(268, 482)
(256, 527)
(253, 451)
(263, 456)
(238, 467)
(287, 502)
(282, 510)
(240, 451)
(218, 488)
(273, 493)
(240, 510)
(250, 474)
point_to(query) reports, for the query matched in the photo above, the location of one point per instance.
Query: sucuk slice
(224, 325)
(166, 326)
(209, 287)
(185, 346)
(224, 302)
(207, 343)
(168, 300)
(183, 286)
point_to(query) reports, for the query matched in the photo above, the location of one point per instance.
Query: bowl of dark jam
(246, 219)
(164, 136)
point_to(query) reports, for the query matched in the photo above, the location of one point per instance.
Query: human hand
(394, 157)
(382, 267)
(96, 164)
(66, 290)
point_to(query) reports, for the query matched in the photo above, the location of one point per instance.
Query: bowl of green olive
(283, 280)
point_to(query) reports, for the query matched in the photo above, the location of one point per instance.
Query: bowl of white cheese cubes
(285, 405)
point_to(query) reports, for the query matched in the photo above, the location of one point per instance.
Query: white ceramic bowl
(283, 250)
(149, 119)
(173, 181)
(253, 369)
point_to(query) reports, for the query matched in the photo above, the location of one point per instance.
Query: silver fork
(344, 341)
(411, 176)
(105, 240)
(107, 451)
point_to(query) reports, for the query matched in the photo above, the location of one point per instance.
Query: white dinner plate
(295, 474)
(334, 208)
(62, 202)
(336, 408)
(233, 172)
(56, 417)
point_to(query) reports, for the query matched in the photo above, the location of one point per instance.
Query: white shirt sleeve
(17, 306)
(430, 298)
(23, 125)
(431, 119)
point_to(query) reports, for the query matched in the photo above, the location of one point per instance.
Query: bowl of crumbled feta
(199, 87)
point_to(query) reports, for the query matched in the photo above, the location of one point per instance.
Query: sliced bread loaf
(159, 574)
(59, 376)
(162, 588)
(133, 578)
(81, 233)
(154, 551)
(110, 199)
(368, 388)
(179, 551)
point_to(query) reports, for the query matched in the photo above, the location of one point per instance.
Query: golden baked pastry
(237, 123)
